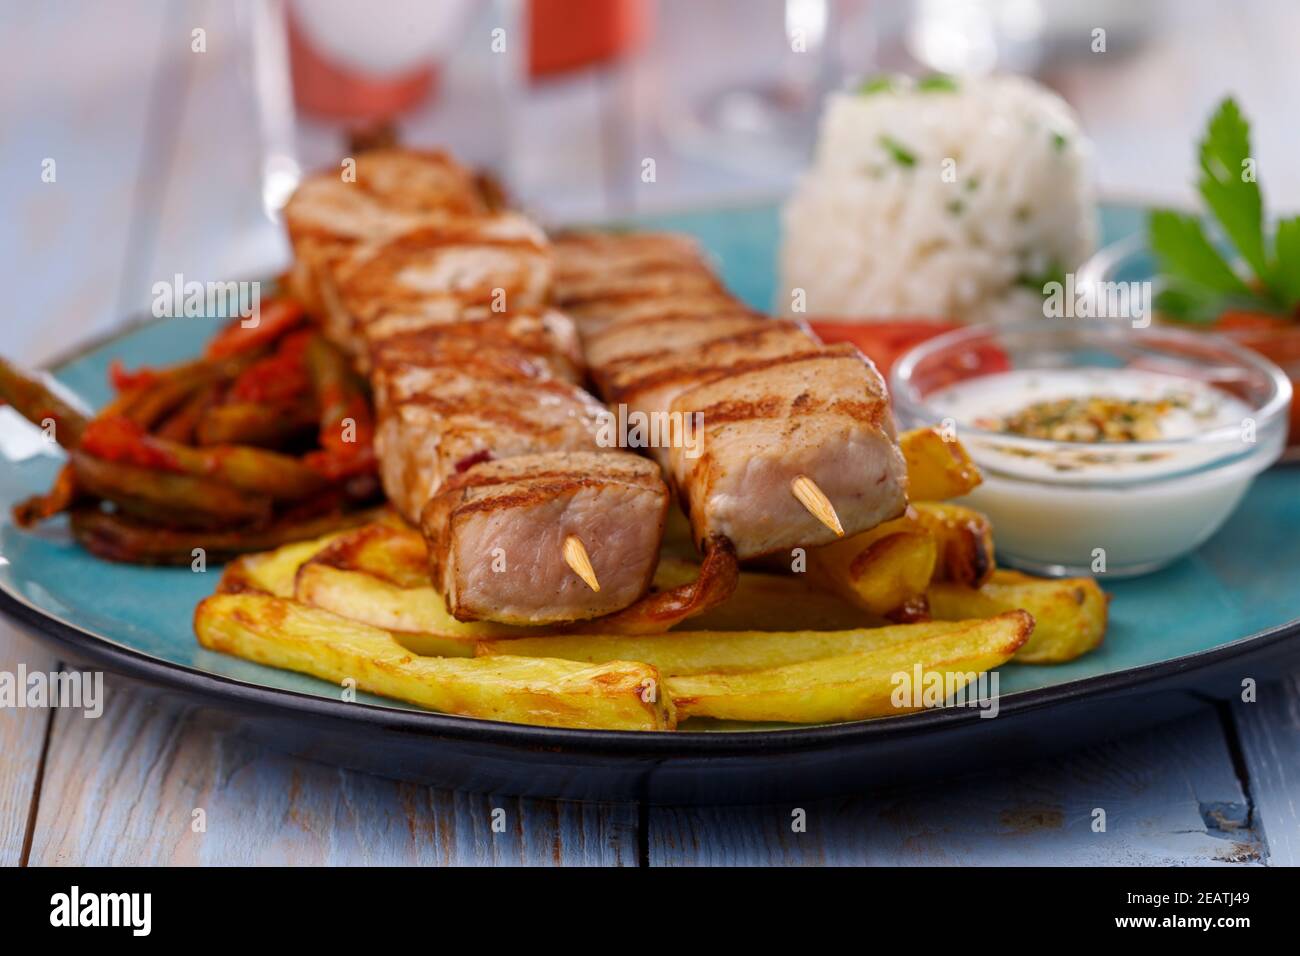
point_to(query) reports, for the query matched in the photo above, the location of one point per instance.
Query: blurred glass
(264, 22)
(764, 119)
(966, 37)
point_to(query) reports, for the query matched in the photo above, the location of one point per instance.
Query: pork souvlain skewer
(799, 445)
(484, 437)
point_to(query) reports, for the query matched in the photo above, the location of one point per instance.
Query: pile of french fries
(920, 595)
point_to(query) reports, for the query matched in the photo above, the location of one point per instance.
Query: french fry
(712, 652)
(393, 553)
(379, 575)
(937, 469)
(619, 695)
(389, 550)
(776, 602)
(852, 686)
(884, 571)
(273, 572)
(762, 601)
(419, 615)
(964, 539)
(711, 586)
(1070, 613)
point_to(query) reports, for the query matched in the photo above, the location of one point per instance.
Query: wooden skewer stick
(576, 557)
(818, 505)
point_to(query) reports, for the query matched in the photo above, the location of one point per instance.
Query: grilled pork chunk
(546, 336)
(482, 431)
(774, 404)
(607, 278)
(388, 191)
(616, 345)
(591, 256)
(496, 535)
(663, 374)
(441, 416)
(498, 263)
(593, 315)
(825, 415)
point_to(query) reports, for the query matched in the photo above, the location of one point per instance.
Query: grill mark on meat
(774, 403)
(722, 413)
(532, 493)
(695, 371)
(486, 415)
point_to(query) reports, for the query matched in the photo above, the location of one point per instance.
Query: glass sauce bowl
(1116, 507)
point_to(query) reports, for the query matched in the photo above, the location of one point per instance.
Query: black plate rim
(624, 743)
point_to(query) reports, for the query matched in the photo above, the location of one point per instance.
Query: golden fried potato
(376, 577)
(884, 571)
(393, 553)
(937, 469)
(619, 695)
(272, 572)
(1070, 613)
(704, 652)
(765, 601)
(853, 686)
(964, 539)
(419, 615)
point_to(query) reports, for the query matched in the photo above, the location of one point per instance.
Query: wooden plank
(124, 789)
(1170, 797)
(22, 740)
(1269, 732)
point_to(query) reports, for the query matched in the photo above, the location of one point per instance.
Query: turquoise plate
(1224, 614)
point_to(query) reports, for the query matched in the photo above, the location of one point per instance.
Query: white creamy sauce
(1082, 503)
(1197, 407)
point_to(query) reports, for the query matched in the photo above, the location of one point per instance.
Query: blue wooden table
(157, 174)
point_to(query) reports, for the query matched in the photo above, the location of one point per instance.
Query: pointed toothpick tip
(576, 557)
(818, 505)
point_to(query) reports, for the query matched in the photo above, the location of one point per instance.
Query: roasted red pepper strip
(124, 381)
(346, 424)
(275, 318)
(118, 438)
(252, 470)
(278, 377)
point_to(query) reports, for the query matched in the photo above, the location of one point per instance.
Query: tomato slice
(887, 341)
(882, 342)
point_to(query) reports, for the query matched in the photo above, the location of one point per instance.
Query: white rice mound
(869, 235)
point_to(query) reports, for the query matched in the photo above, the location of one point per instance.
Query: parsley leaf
(1185, 253)
(877, 84)
(1038, 281)
(900, 153)
(936, 83)
(1188, 304)
(1286, 266)
(1235, 201)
